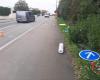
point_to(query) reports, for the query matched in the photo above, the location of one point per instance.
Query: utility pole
(56, 4)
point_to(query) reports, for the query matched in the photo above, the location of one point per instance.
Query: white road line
(5, 27)
(10, 42)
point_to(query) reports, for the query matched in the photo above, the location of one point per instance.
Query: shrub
(78, 33)
(87, 32)
(94, 33)
(5, 11)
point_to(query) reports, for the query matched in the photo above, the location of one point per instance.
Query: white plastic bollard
(61, 48)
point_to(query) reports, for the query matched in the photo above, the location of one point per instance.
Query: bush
(87, 32)
(84, 16)
(94, 33)
(36, 11)
(82, 67)
(78, 33)
(5, 11)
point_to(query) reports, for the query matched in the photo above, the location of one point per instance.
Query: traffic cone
(2, 34)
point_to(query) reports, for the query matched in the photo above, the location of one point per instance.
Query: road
(28, 51)
(6, 22)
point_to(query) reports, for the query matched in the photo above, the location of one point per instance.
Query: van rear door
(21, 16)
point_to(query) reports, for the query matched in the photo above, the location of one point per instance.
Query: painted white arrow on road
(89, 55)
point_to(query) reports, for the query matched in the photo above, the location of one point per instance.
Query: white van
(24, 16)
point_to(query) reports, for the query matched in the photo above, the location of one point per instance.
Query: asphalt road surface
(6, 22)
(28, 51)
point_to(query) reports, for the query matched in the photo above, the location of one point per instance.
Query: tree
(63, 8)
(21, 5)
(4, 11)
(43, 12)
(36, 11)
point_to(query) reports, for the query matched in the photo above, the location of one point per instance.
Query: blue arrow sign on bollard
(89, 55)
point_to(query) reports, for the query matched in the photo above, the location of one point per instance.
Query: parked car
(24, 16)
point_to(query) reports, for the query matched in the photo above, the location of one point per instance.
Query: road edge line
(18, 37)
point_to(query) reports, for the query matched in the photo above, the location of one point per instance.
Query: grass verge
(81, 67)
(72, 49)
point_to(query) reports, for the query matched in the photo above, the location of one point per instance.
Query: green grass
(72, 49)
(80, 66)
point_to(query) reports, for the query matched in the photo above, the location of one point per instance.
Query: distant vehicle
(47, 15)
(24, 16)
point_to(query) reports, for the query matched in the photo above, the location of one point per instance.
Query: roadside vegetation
(82, 19)
(4, 11)
(22, 5)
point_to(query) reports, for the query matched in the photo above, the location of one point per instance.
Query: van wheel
(27, 21)
(18, 21)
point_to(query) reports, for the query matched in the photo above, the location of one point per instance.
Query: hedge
(4, 11)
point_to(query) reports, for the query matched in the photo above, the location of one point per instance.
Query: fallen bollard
(61, 48)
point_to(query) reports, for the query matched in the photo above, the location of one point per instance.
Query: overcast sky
(49, 5)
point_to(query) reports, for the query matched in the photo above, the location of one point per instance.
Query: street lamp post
(56, 4)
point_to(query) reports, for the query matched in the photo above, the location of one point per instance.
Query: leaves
(21, 5)
(5, 11)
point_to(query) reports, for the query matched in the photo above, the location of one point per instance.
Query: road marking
(5, 27)
(62, 24)
(18, 37)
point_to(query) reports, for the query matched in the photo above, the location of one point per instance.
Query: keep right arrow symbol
(89, 55)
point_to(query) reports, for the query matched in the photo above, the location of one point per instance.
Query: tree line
(4, 11)
(83, 16)
(21, 5)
